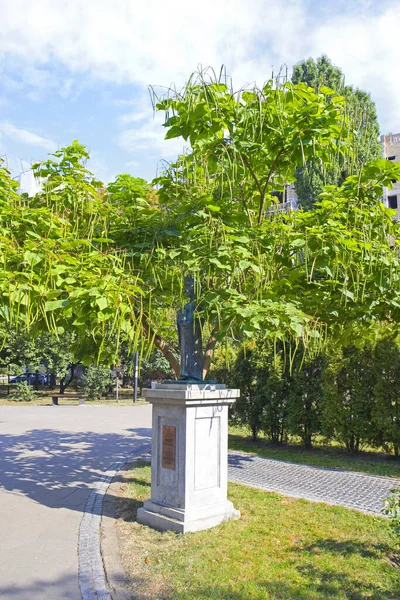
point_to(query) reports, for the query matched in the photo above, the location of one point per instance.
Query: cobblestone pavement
(365, 493)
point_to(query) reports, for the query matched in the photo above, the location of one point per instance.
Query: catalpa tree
(109, 263)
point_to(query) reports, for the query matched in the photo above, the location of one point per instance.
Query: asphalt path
(50, 459)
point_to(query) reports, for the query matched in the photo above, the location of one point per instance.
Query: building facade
(391, 151)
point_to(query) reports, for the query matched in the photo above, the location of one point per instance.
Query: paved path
(362, 492)
(50, 460)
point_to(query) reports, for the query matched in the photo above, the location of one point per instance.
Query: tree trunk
(163, 346)
(53, 381)
(63, 383)
(209, 351)
(36, 382)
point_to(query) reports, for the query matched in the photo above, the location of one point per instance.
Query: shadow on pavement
(65, 588)
(58, 468)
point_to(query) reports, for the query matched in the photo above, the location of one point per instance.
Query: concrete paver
(360, 491)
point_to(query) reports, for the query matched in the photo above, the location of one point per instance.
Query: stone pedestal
(189, 460)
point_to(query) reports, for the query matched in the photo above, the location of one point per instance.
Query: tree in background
(386, 412)
(98, 380)
(41, 352)
(348, 396)
(305, 396)
(248, 409)
(108, 264)
(361, 111)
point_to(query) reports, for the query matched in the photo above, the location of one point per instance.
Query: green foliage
(60, 270)
(386, 411)
(98, 381)
(155, 367)
(305, 397)
(318, 73)
(107, 265)
(348, 396)
(345, 393)
(248, 408)
(392, 510)
(364, 126)
(23, 392)
(260, 372)
(41, 351)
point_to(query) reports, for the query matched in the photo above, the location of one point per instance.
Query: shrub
(348, 396)
(305, 397)
(98, 381)
(248, 408)
(392, 510)
(386, 412)
(23, 392)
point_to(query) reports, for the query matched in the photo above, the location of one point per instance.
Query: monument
(189, 459)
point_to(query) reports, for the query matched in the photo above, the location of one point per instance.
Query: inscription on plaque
(168, 447)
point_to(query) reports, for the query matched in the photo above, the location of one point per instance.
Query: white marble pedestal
(189, 460)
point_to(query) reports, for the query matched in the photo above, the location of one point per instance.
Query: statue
(189, 335)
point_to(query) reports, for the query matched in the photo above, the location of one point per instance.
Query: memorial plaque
(168, 447)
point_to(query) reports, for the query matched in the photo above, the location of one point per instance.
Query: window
(391, 157)
(392, 202)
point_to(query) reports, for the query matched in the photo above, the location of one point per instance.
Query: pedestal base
(189, 458)
(164, 518)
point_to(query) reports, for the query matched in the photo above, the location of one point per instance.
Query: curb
(92, 577)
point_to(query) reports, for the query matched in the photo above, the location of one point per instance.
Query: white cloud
(148, 42)
(150, 137)
(366, 48)
(134, 117)
(155, 42)
(26, 137)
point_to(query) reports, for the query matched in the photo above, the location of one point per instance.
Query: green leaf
(55, 304)
(32, 258)
(102, 302)
(175, 131)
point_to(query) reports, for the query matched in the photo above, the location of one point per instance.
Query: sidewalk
(359, 491)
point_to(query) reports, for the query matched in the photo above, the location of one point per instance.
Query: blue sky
(81, 70)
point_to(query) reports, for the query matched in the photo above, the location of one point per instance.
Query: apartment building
(391, 151)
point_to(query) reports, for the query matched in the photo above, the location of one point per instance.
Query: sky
(73, 69)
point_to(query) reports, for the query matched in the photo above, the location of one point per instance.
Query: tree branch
(255, 178)
(245, 205)
(163, 347)
(63, 384)
(209, 351)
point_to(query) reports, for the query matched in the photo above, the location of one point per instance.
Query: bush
(98, 381)
(248, 408)
(259, 373)
(348, 398)
(272, 390)
(392, 510)
(305, 397)
(386, 412)
(23, 392)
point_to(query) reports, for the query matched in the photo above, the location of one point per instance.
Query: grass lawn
(321, 455)
(125, 399)
(281, 548)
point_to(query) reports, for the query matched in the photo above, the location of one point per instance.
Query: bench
(80, 397)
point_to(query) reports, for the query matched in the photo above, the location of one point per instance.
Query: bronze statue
(190, 339)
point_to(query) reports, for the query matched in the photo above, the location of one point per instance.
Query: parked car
(30, 378)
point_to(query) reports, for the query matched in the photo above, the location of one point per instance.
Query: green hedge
(345, 393)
